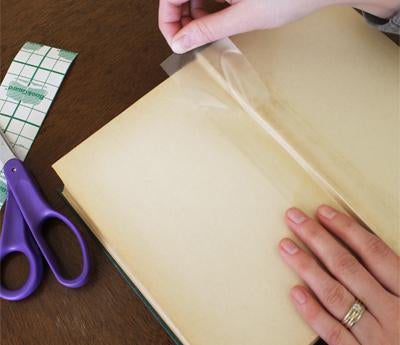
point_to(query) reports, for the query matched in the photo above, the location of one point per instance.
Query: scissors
(25, 213)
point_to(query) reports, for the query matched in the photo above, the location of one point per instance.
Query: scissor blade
(6, 152)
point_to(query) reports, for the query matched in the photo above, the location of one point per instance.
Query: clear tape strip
(226, 64)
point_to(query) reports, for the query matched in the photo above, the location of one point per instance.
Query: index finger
(169, 17)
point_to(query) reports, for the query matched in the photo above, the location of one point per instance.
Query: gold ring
(354, 314)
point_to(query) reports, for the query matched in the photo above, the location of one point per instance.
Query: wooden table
(120, 49)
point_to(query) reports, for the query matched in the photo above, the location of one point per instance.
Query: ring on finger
(354, 314)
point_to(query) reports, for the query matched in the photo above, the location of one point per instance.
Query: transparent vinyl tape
(229, 69)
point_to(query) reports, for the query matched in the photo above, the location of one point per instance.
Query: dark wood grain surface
(120, 49)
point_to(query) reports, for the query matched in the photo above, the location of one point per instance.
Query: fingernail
(289, 246)
(299, 296)
(327, 212)
(296, 216)
(181, 45)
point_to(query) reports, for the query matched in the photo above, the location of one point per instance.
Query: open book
(187, 188)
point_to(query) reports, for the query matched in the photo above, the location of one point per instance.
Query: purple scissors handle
(25, 213)
(16, 237)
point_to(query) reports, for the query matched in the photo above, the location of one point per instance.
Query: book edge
(137, 287)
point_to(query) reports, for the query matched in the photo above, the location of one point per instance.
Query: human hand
(373, 278)
(186, 24)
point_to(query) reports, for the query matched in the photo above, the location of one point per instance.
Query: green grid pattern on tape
(25, 99)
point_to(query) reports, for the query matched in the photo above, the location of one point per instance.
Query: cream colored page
(188, 195)
(333, 84)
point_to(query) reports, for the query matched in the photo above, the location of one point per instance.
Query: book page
(187, 192)
(189, 199)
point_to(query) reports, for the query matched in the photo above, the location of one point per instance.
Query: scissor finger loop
(26, 212)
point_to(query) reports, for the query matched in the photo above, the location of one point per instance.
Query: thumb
(209, 28)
